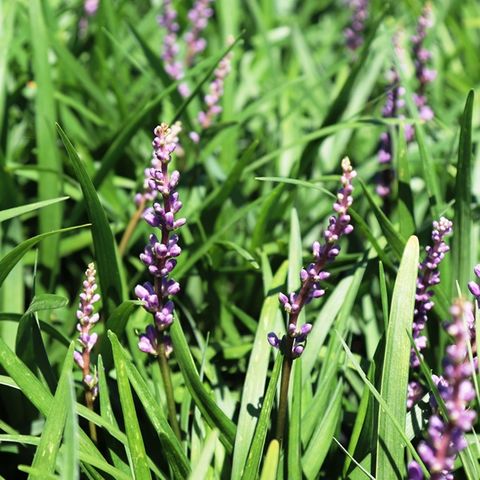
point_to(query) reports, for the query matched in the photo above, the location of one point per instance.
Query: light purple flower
(161, 252)
(354, 32)
(90, 7)
(198, 17)
(474, 287)
(86, 320)
(293, 343)
(212, 99)
(445, 437)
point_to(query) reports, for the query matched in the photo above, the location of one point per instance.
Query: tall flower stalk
(293, 343)
(429, 276)
(421, 56)
(86, 320)
(355, 30)
(446, 436)
(214, 96)
(159, 257)
(198, 16)
(147, 194)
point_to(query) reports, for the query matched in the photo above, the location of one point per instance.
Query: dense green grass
(76, 120)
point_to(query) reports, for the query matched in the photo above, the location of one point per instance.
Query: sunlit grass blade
(385, 407)
(136, 447)
(294, 453)
(254, 458)
(393, 237)
(103, 240)
(46, 453)
(396, 365)
(201, 468)
(462, 222)
(205, 403)
(48, 155)
(172, 449)
(14, 256)
(70, 466)
(255, 379)
(319, 445)
(17, 211)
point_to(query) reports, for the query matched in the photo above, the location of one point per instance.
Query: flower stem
(131, 227)
(91, 425)
(167, 383)
(283, 402)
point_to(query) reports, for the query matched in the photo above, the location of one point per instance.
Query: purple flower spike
(173, 67)
(293, 343)
(421, 56)
(162, 250)
(198, 17)
(354, 32)
(212, 100)
(446, 436)
(86, 320)
(429, 276)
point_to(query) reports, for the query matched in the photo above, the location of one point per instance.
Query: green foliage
(79, 98)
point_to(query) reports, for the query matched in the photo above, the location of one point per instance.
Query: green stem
(167, 383)
(91, 425)
(283, 402)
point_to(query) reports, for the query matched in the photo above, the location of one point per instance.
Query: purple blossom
(421, 57)
(429, 276)
(165, 148)
(212, 99)
(86, 320)
(354, 32)
(474, 287)
(293, 343)
(198, 17)
(161, 252)
(90, 7)
(445, 437)
(173, 67)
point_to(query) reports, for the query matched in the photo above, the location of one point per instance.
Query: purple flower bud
(273, 340)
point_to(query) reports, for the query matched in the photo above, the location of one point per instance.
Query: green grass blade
(405, 196)
(136, 447)
(205, 403)
(70, 464)
(396, 366)
(17, 211)
(171, 447)
(103, 240)
(46, 453)
(256, 449)
(48, 156)
(319, 445)
(206, 455)
(255, 379)
(14, 256)
(462, 223)
(393, 237)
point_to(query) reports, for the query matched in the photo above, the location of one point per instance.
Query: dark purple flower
(86, 320)
(160, 253)
(445, 437)
(354, 32)
(293, 343)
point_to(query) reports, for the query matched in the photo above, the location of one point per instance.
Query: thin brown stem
(167, 383)
(132, 224)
